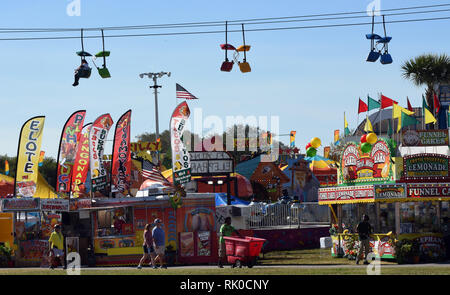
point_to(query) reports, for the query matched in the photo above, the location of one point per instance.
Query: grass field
(300, 262)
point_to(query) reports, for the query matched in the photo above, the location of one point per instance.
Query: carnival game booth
(189, 225)
(359, 173)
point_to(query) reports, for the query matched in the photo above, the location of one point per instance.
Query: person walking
(149, 250)
(159, 242)
(226, 230)
(56, 247)
(364, 230)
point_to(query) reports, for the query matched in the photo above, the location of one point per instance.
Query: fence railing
(286, 215)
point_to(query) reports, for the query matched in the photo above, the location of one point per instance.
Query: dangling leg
(77, 78)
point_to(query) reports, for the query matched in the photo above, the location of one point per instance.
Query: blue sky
(308, 78)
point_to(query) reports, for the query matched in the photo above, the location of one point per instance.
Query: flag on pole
(326, 151)
(149, 171)
(409, 105)
(368, 127)
(372, 103)
(390, 130)
(428, 116)
(336, 136)
(41, 158)
(362, 107)
(346, 130)
(437, 105)
(397, 112)
(408, 120)
(387, 102)
(183, 93)
(292, 138)
(6, 167)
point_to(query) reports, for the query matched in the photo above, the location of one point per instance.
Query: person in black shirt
(364, 229)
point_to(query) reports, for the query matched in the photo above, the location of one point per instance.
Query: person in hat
(364, 230)
(56, 247)
(159, 242)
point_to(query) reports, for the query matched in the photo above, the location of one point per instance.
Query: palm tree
(428, 70)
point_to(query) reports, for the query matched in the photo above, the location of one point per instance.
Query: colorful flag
(28, 157)
(397, 112)
(149, 171)
(336, 137)
(346, 130)
(97, 139)
(121, 157)
(362, 107)
(183, 93)
(408, 120)
(437, 104)
(292, 138)
(372, 103)
(326, 151)
(387, 102)
(428, 116)
(81, 164)
(409, 105)
(6, 167)
(181, 165)
(41, 158)
(368, 126)
(390, 130)
(67, 150)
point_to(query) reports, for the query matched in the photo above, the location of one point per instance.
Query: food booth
(188, 223)
(405, 199)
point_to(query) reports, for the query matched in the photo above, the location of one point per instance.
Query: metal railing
(286, 215)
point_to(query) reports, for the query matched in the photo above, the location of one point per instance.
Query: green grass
(307, 257)
(276, 263)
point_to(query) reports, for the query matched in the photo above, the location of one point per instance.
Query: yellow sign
(28, 157)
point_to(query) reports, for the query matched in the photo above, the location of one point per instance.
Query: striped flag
(6, 167)
(183, 93)
(150, 171)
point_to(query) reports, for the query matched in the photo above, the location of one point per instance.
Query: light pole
(155, 86)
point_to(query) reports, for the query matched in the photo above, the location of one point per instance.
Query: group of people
(154, 245)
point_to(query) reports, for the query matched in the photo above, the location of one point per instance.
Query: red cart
(243, 251)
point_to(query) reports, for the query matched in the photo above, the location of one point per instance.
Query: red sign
(81, 166)
(121, 161)
(352, 193)
(79, 204)
(20, 204)
(424, 190)
(68, 150)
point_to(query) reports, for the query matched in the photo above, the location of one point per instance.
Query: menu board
(187, 244)
(204, 243)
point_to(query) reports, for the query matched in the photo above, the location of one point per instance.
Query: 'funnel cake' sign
(359, 167)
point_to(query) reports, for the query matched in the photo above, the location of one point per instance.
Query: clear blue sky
(308, 78)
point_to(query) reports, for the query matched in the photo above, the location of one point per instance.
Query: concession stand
(188, 223)
(406, 198)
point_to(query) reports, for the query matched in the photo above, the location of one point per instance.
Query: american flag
(183, 93)
(150, 171)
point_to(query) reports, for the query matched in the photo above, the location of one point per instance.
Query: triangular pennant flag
(372, 103)
(409, 105)
(387, 102)
(346, 130)
(428, 116)
(362, 107)
(437, 104)
(390, 130)
(408, 120)
(368, 126)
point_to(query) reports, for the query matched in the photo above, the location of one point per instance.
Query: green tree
(48, 170)
(427, 70)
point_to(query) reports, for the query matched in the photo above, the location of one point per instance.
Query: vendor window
(386, 220)
(368, 209)
(349, 217)
(419, 217)
(115, 222)
(27, 226)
